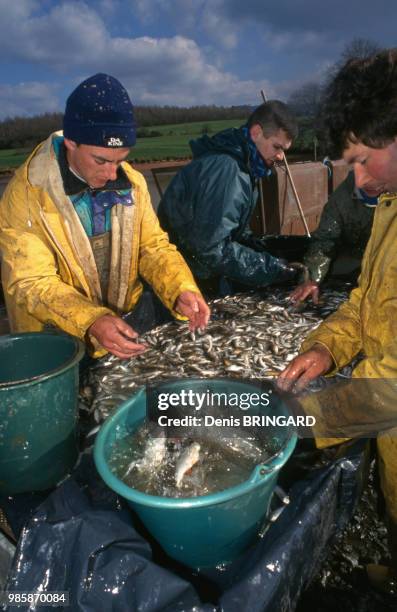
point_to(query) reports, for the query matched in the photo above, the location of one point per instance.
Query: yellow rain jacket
(367, 322)
(49, 273)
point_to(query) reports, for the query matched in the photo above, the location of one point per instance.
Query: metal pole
(292, 185)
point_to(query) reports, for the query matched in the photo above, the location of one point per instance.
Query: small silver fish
(155, 451)
(251, 335)
(153, 456)
(187, 460)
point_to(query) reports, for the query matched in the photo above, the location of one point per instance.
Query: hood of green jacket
(231, 142)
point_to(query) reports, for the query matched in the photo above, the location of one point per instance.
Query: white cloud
(219, 30)
(145, 9)
(309, 16)
(174, 71)
(65, 36)
(288, 41)
(28, 99)
(108, 7)
(72, 38)
(184, 14)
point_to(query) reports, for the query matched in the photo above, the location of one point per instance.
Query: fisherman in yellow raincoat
(361, 108)
(78, 232)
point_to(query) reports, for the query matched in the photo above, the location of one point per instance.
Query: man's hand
(193, 306)
(307, 289)
(305, 368)
(116, 336)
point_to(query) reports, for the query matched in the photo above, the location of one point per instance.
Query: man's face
(375, 170)
(96, 165)
(271, 148)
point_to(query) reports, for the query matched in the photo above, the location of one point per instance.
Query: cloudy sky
(181, 52)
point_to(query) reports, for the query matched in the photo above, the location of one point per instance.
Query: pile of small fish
(250, 335)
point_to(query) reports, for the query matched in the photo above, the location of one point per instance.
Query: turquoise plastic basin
(38, 409)
(199, 531)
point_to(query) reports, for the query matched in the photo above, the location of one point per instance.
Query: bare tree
(305, 100)
(359, 48)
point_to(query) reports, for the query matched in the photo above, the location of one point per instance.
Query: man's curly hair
(360, 103)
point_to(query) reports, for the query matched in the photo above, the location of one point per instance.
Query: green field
(195, 128)
(12, 158)
(172, 144)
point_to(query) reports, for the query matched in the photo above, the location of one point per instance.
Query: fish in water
(153, 456)
(155, 450)
(187, 460)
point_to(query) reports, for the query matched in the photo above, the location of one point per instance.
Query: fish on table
(251, 335)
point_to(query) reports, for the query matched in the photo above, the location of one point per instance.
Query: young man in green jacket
(207, 207)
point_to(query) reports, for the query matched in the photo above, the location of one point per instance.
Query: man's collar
(73, 185)
(258, 166)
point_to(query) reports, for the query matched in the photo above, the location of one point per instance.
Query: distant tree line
(26, 132)
(163, 115)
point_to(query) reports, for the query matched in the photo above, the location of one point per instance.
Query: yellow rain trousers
(367, 322)
(49, 273)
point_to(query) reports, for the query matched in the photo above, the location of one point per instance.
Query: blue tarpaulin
(83, 539)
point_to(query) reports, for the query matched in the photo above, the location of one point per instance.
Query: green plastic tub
(199, 531)
(38, 409)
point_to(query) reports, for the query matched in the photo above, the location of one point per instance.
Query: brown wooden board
(281, 209)
(340, 170)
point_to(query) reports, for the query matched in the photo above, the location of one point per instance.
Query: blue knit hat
(99, 112)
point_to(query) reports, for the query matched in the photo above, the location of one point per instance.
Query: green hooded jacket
(206, 211)
(345, 225)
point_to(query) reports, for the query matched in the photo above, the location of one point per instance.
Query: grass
(195, 128)
(172, 144)
(12, 158)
